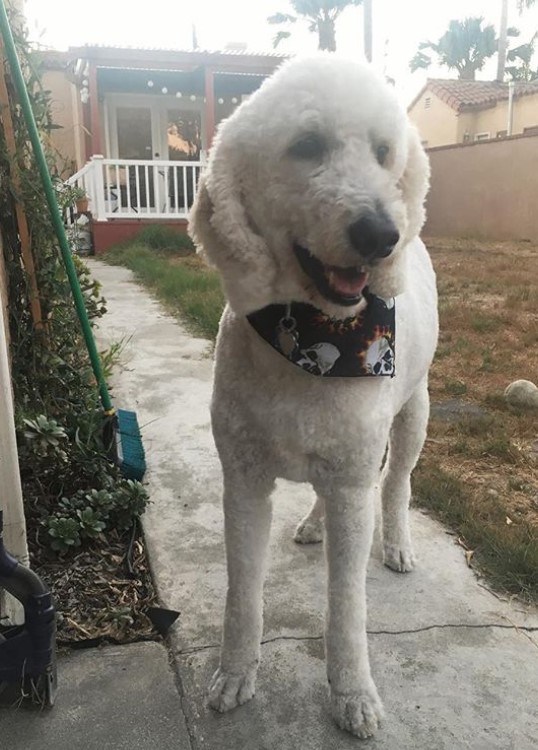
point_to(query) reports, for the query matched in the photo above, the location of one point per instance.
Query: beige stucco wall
(65, 109)
(437, 125)
(496, 119)
(440, 125)
(526, 113)
(485, 190)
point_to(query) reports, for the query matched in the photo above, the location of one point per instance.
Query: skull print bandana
(359, 346)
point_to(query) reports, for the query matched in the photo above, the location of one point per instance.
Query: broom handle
(56, 218)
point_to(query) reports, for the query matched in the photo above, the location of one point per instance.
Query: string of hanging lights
(193, 97)
(85, 94)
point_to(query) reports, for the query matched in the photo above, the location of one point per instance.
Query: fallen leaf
(468, 556)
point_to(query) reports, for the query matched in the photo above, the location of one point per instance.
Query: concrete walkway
(114, 698)
(451, 660)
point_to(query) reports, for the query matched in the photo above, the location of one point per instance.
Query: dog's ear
(415, 182)
(388, 280)
(226, 236)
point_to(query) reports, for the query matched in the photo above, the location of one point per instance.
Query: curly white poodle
(310, 208)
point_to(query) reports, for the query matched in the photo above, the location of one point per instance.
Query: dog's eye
(310, 146)
(381, 153)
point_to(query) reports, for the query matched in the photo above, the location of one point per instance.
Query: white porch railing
(136, 189)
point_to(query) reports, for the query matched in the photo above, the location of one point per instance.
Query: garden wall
(487, 190)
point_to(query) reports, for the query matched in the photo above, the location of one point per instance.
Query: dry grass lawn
(479, 472)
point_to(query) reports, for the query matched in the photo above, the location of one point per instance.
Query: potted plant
(78, 196)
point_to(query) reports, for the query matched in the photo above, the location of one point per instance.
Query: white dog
(310, 207)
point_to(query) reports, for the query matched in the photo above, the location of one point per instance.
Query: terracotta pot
(82, 205)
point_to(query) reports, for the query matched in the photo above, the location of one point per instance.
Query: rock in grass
(522, 393)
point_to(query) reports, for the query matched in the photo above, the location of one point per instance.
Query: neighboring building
(67, 137)
(454, 111)
(136, 125)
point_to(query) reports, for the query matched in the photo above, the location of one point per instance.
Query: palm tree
(320, 15)
(503, 40)
(522, 56)
(503, 34)
(465, 46)
(368, 29)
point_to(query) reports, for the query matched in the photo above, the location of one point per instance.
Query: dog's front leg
(349, 523)
(247, 520)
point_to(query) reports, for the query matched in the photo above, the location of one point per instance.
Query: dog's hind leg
(310, 529)
(406, 440)
(247, 520)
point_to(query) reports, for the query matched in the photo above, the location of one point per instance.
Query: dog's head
(313, 190)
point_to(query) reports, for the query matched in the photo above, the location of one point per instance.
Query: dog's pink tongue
(348, 285)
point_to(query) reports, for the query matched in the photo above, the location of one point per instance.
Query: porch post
(94, 112)
(209, 107)
(97, 183)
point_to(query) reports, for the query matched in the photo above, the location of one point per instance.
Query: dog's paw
(227, 690)
(309, 531)
(359, 713)
(399, 557)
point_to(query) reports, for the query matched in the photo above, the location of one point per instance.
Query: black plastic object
(162, 619)
(28, 652)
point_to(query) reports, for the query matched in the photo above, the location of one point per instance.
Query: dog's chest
(336, 421)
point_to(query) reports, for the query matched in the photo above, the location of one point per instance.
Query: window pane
(134, 133)
(184, 135)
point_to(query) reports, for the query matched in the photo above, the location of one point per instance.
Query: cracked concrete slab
(468, 677)
(442, 690)
(120, 698)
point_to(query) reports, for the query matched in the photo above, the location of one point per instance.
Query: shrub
(58, 415)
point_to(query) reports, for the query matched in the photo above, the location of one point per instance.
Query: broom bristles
(130, 451)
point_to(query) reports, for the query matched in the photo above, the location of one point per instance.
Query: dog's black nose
(374, 235)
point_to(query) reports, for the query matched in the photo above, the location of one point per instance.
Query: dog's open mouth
(341, 285)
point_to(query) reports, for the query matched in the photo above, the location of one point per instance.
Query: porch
(138, 189)
(124, 193)
(147, 120)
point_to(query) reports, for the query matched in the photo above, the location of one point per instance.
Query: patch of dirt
(488, 296)
(103, 592)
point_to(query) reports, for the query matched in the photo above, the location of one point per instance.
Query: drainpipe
(11, 612)
(511, 87)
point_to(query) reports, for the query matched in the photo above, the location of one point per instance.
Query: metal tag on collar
(287, 339)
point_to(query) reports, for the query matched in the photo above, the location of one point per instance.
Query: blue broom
(122, 433)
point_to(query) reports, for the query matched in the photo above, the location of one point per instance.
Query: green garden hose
(55, 215)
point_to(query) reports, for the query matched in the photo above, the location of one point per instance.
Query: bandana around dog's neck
(355, 347)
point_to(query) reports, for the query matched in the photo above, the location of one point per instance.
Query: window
(134, 133)
(502, 133)
(482, 137)
(427, 102)
(184, 134)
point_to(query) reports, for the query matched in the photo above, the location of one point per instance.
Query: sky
(399, 26)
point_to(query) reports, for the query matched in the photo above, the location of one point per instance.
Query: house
(453, 111)
(137, 124)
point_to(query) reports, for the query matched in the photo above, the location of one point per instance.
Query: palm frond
(279, 37)
(420, 62)
(282, 18)
(525, 5)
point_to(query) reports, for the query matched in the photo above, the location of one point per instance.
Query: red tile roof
(463, 95)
